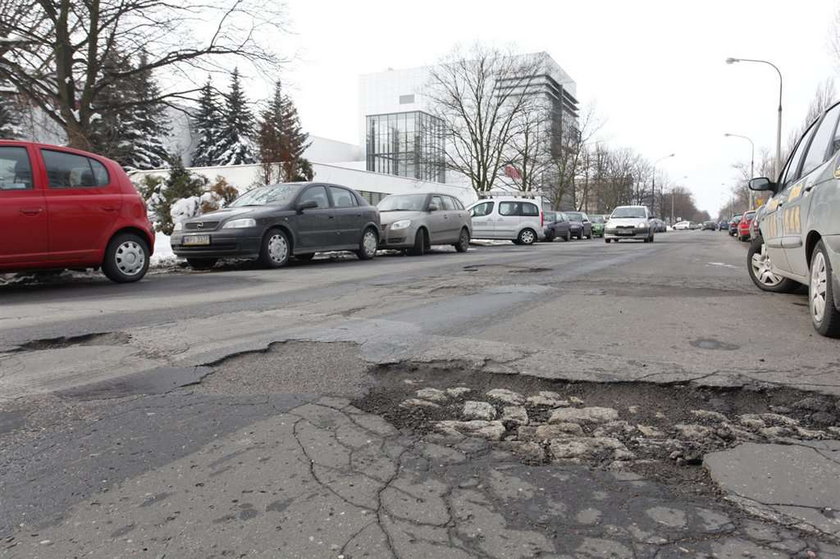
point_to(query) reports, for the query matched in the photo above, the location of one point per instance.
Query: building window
(407, 144)
(406, 99)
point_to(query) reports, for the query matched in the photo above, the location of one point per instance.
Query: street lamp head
(731, 60)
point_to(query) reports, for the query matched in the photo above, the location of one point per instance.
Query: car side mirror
(761, 184)
(308, 205)
(433, 207)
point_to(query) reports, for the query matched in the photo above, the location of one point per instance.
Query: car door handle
(31, 211)
(810, 187)
(331, 216)
(108, 208)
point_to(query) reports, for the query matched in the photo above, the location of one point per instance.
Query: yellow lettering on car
(795, 192)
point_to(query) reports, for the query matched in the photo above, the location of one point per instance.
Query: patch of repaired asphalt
(292, 367)
(83, 447)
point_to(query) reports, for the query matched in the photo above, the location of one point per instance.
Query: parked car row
(65, 208)
(798, 237)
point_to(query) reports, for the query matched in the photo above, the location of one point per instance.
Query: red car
(65, 208)
(744, 225)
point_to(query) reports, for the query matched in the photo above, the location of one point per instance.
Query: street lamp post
(752, 161)
(778, 169)
(661, 187)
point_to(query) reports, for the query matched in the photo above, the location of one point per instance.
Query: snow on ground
(163, 255)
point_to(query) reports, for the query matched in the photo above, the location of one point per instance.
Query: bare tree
(54, 51)
(566, 158)
(480, 95)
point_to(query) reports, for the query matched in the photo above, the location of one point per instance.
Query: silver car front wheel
(760, 268)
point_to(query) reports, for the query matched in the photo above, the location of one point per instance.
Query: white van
(508, 218)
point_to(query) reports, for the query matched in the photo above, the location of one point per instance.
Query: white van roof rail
(508, 194)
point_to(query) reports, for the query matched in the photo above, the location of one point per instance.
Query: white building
(401, 136)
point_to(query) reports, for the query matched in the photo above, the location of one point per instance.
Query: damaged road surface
(430, 407)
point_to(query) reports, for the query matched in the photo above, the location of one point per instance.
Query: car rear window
(15, 169)
(68, 170)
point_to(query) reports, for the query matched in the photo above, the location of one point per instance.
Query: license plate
(195, 240)
(624, 232)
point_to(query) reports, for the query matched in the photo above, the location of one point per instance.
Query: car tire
(549, 237)
(758, 267)
(607, 241)
(527, 237)
(275, 249)
(463, 244)
(825, 316)
(126, 258)
(419, 247)
(368, 245)
(305, 257)
(202, 263)
(568, 236)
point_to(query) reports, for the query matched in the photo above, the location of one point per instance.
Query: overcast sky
(654, 69)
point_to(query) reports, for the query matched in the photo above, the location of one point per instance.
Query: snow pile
(163, 255)
(185, 208)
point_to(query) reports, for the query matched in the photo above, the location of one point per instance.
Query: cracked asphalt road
(209, 414)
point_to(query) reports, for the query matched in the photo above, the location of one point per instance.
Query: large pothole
(659, 431)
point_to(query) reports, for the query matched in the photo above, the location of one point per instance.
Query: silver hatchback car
(799, 240)
(415, 222)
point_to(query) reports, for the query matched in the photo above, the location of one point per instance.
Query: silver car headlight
(401, 224)
(178, 227)
(643, 225)
(240, 223)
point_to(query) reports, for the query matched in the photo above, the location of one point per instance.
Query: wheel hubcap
(278, 248)
(130, 258)
(819, 279)
(527, 237)
(762, 268)
(369, 242)
(465, 239)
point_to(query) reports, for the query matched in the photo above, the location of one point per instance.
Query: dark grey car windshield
(629, 212)
(575, 216)
(279, 194)
(403, 202)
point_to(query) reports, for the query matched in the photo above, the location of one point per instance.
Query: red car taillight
(542, 219)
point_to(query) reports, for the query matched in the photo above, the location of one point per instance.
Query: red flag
(512, 172)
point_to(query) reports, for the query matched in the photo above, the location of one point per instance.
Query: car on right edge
(799, 229)
(629, 222)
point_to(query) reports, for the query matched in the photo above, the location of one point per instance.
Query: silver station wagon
(799, 240)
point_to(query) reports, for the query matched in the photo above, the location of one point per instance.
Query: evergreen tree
(208, 124)
(111, 113)
(282, 141)
(235, 144)
(129, 127)
(9, 119)
(145, 127)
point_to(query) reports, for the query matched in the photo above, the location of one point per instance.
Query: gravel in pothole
(656, 430)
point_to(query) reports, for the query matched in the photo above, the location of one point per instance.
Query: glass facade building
(408, 144)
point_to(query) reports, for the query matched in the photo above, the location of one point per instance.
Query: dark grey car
(557, 226)
(581, 226)
(273, 223)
